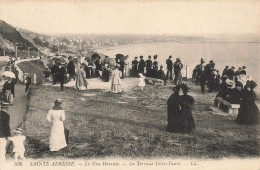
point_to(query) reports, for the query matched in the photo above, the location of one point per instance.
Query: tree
(38, 41)
(46, 44)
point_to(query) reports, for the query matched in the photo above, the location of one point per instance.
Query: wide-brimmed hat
(18, 130)
(58, 102)
(251, 84)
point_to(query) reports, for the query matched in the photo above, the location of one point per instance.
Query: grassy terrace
(33, 67)
(132, 124)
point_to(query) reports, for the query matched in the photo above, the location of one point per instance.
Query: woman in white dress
(56, 116)
(116, 81)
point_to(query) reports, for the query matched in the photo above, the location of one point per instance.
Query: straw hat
(18, 130)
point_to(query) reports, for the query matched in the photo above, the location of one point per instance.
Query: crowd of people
(152, 69)
(233, 86)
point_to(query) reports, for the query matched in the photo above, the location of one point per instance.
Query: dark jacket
(28, 80)
(54, 70)
(62, 74)
(169, 64)
(141, 65)
(8, 86)
(134, 65)
(71, 67)
(149, 64)
(4, 124)
(177, 66)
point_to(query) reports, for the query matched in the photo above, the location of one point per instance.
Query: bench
(226, 106)
(154, 81)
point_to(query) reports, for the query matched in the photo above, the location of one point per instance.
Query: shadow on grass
(131, 122)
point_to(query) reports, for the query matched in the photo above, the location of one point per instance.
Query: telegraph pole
(16, 52)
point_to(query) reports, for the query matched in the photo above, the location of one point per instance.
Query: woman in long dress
(56, 116)
(179, 111)
(81, 82)
(248, 112)
(116, 81)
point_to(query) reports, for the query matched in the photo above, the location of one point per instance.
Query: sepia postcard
(129, 84)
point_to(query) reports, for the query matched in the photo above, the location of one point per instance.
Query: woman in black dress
(248, 112)
(179, 111)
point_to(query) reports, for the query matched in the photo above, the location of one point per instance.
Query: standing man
(28, 82)
(54, 72)
(141, 65)
(98, 68)
(177, 71)
(4, 130)
(134, 67)
(169, 67)
(71, 68)
(8, 90)
(149, 65)
(155, 66)
(202, 79)
(122, 67)
(225, 71)
(61, 75)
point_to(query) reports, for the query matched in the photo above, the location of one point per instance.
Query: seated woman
(248, 112)
(235, 97)
(179, 111)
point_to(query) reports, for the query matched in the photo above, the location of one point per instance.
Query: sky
(134, 17)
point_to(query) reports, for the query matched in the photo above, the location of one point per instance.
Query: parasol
(95, 57)
(120, 57)
(8, 74)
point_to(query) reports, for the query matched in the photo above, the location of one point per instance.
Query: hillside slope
(9, 33)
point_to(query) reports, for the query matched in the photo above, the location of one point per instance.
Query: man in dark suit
(54, 72)
(141, 65)
(134, 67)
(71, 68)
(122, 67)
(4, 129)
(149, 66)
(169, 67)
(61, 75)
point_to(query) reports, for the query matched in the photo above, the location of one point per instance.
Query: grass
(102, 127)
(33, 67)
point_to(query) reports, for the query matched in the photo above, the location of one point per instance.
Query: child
(141, 83)
(18, 140)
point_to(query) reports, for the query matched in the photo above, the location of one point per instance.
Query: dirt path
(18, 110)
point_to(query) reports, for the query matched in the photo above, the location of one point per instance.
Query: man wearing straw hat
(4, 130)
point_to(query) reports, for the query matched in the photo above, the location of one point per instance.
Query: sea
(235, 54)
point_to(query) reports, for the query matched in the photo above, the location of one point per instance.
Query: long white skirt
(57, 137)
